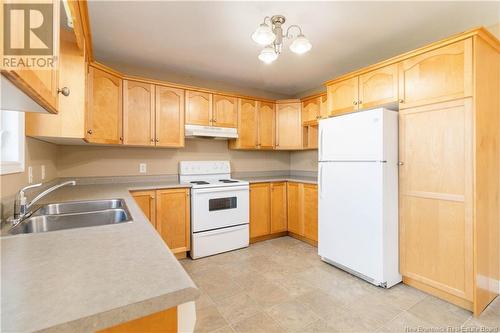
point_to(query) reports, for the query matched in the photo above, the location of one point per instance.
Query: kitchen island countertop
(86, 279)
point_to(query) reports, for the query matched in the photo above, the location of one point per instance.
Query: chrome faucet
(22, 207)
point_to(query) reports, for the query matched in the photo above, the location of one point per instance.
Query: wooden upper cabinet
(436, 190)
(39, 84)
(310, 209)
(225, 111)
(260, 218)
(146, 200)
(294, 208)
(266, 125)
(138, 113)
(198, 108)
(378, 87)
(439, 75)
(288, 126)
(169, 117)
(104, 107)
(343, 96)
(323, 108)
(311, 110)
(247, 119)
(278, 207)
(173, 219)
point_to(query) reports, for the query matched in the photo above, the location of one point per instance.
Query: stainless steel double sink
(74, 214)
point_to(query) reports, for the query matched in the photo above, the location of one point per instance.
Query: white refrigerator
(358, 194)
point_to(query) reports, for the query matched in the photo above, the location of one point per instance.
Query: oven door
(219, 207)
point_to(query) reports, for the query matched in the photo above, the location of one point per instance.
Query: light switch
(142, 167)
(43, 171)
(30, 175)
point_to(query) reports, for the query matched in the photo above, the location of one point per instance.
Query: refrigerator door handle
(320, 144)
(320, 179)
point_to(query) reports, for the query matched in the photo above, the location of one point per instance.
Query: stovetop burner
(228, 181)
(199, 182)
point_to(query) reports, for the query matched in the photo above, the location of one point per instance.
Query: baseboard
(463, 303)
(267, 237)
(304, 239)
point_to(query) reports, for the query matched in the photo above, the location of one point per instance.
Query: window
(11, 142)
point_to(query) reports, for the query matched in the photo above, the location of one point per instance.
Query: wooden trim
(438, 293)
(481, 31)
(267, 237)
(307, 98)
(303, 239)
(286, 101)
(85, 24)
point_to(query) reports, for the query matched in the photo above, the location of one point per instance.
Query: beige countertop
(266, 179)
(85, 279)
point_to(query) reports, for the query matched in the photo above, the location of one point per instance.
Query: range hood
(198, 131)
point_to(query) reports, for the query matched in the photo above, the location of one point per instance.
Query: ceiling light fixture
(271, 36)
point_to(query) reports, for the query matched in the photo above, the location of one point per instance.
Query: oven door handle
(220, 189)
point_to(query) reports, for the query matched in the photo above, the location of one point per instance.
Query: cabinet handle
(121, 138)
(64, 91)
(89, 131)
(157, 140)
(401, 101)
(360, 102)
(152, 140)
(401, 163)
(355, 102)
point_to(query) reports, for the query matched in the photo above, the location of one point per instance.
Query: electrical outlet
(143, 167)
(30, 175)
(43, 172)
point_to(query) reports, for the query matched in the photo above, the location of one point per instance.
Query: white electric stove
(219, 207)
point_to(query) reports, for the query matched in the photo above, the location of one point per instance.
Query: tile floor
(281, 285)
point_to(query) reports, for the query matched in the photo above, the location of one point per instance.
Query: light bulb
(300, 45)
(263, 35)
(268, 55)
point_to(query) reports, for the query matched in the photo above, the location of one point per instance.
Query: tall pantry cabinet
(449, 170)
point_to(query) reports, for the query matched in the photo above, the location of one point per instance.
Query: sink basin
(74, 214)
(79, 206)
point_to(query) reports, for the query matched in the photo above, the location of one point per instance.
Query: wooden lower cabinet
(160, 322)
(280, 207)
(169, 212)
(147, 202)
(260, 204)
(279, 220)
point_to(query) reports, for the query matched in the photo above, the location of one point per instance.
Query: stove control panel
(204, 167)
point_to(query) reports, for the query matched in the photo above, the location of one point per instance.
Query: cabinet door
(169, 117)
(104, 113)
(278, 207)
(39, 84)
(147, 203)
(310, 208)
(343, 96)
(198, 108)
(172, 218)
(247, 119)
(311, 110)
(288, 126)
(260, 218)
(378, 87)
(225, 111)
(294, 208)
(436, 76)
(436, 223)
(138, 113)
(266, 125)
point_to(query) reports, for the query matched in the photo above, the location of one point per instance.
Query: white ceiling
(211, 40)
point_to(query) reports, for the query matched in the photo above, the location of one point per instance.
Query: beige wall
(37, 153)
(87, 161)
(306, 160)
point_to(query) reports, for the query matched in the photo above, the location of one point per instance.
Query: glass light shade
(300, 45)
(268, 55)
(264, 35)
